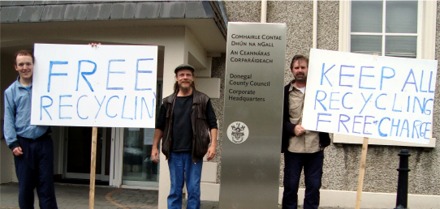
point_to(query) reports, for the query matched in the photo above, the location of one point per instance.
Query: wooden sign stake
(93, 168)
(362, 172)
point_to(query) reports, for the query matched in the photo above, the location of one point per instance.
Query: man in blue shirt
(31, 145)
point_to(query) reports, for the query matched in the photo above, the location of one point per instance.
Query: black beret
(184, 66)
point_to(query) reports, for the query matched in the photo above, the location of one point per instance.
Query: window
(384, 28)
(404, 28)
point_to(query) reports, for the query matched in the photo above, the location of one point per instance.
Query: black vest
(199, 124)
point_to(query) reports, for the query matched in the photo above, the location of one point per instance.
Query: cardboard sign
(370, 96)
(103, 86)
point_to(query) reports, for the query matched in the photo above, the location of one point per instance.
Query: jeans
(184, 170)
(293, 165)
(35, 171)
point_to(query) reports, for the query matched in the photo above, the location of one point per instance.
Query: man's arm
(9, 124)
(212, 150)
(158, 134)
(213, 130)
(288, 127)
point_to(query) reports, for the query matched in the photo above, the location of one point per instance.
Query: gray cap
(184, 66)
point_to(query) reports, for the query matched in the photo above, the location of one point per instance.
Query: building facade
(195, 32)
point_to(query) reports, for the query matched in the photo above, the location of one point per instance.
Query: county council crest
(237, 132)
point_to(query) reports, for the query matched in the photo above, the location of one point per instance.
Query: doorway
(78, 153)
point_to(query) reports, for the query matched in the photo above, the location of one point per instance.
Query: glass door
(130, 151)
(138, 169)
(78, 153)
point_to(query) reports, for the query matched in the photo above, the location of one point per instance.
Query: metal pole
(402, 185)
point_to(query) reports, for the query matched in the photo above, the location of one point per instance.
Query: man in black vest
(187, 126)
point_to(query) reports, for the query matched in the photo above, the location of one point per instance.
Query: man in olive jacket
(303, 149)
(187, 126)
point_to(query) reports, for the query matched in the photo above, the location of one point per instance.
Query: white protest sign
(370, 96)
(103, 86)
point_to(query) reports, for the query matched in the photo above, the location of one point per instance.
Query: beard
(185, 86)
(300, 77)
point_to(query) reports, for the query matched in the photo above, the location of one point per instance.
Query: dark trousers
(35, 171)
(293, 165)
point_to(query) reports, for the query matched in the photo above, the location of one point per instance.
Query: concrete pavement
(76, 196)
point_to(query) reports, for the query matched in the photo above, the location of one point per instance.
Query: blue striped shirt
(18, 115)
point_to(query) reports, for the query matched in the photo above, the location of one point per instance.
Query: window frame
(426, 39)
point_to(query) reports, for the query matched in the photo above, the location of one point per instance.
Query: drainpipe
(263, 11)
(315, 24)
